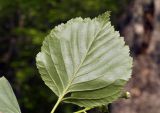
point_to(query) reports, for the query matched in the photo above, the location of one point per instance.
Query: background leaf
(8, 101)
(85, 61)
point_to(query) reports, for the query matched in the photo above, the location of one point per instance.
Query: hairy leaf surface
(8, 101)
(85, 61)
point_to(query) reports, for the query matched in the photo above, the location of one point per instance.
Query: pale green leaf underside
(8, 101)
(87, 59)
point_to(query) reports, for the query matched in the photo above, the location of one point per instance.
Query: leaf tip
(2, 78)
(105, 16)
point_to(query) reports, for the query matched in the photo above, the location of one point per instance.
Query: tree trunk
(140, 26)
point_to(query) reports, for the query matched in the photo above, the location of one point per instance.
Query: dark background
(25, 23)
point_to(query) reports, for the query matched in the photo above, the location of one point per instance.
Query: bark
(142, 34)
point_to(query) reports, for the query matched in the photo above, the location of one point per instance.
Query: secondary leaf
(8, 101)
(85, 61)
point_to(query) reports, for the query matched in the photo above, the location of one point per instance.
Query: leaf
(85, 61)
(8, 101)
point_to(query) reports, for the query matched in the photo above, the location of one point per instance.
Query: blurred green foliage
(23, 26)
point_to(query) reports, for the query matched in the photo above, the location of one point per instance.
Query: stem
(57, 103)
(59, 99)
(83, 110)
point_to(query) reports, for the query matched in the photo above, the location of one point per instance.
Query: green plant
(84, 62)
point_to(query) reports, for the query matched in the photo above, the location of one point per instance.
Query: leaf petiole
(57, 103)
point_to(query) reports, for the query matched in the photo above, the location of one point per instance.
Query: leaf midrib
(82, 61)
